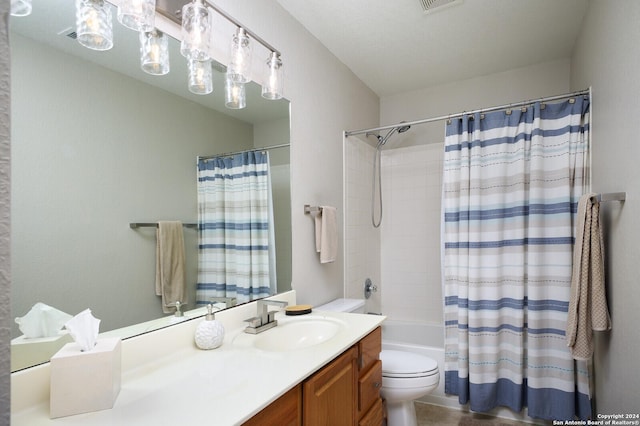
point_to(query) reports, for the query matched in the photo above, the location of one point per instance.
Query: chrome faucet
(265, 318)
(178, 305)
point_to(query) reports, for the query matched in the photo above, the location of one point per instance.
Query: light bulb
(196, 31)
(138, 15)
(240, 54)
(154, 52)
(94, 24)
(272, 85)
(20, 7)
(200, 77)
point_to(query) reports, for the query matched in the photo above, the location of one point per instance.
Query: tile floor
(434, 415)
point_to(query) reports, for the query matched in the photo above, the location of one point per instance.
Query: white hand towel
(326, 234)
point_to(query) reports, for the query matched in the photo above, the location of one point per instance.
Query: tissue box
(82, 382)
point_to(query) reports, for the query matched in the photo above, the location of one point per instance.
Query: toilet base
(401, 413)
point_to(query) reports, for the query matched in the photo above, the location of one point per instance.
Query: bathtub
(428, 339)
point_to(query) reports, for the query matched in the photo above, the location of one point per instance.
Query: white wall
(362, 240)
(607, 57)
(410, 233)
(326, 98)
(5, 219)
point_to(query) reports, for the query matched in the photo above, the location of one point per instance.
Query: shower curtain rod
(461, 114)
(227, 154)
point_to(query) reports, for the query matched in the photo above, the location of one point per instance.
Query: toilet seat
(407, 365)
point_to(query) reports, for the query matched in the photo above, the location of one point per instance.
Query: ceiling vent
(430, 6)
(68, 32)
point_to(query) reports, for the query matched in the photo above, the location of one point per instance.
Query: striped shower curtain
(236, 256)
(512, 180)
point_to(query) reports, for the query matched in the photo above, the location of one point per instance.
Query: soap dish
(298, 310)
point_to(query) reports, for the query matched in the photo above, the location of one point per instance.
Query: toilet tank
(343, 305)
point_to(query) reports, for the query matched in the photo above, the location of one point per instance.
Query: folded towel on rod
(170, 264)
(588, 310)
(326, 234)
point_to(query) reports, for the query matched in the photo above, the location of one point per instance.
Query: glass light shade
(138, 15)
(154, 52)
(94, 24)
(235, 96)
(272, 84)
(20, 7)
(196, 31)
(200, 77)
(240, 55)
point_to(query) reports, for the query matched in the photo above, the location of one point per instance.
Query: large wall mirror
(98, 144)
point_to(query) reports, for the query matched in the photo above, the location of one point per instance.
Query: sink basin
(293, 334)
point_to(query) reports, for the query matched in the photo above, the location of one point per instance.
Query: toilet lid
(406, 364)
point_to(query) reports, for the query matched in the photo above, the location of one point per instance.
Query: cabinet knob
(377, 384)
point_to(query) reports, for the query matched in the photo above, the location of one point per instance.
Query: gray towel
(588, 302)
(170, 260)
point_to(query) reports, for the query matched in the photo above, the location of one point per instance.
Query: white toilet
(405, 376)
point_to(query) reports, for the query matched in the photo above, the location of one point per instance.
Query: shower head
(399, 129)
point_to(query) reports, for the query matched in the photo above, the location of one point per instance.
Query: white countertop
(224, 386)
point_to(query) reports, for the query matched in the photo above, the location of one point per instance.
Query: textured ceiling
(393, 46)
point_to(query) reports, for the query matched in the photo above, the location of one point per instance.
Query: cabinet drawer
(369, 387)
(374, 416)
(369, 349)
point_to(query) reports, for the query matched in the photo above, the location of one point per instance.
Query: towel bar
(309, 209)
(611, 196)
(135, 225)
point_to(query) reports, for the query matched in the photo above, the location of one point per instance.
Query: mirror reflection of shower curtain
(511, 186)
(236, 251)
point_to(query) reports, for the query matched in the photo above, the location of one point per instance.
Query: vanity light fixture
(234, 92)
(240, 54)
(272, 84)
(200, 77)
(20, 7)
(196, 31)
(94, 30)
(154, 52)
(138, 15)
(94, 24)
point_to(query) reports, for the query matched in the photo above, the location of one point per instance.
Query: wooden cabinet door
(285, 411)
(330, 395)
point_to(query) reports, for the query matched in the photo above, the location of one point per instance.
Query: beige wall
(607, 57)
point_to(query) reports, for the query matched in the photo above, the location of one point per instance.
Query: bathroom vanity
(248, 380)
(349, 386)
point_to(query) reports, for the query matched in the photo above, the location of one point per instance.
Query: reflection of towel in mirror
(326, 234)
(170, 260)
(588, 302)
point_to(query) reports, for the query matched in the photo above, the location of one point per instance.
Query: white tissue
(84, 329)
(42, 321)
